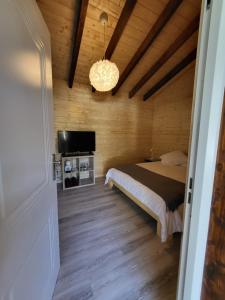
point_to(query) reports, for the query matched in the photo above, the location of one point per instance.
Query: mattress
(170, 221)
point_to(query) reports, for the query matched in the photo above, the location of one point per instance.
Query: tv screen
(76, 141)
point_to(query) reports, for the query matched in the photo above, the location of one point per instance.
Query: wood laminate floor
(110, 250)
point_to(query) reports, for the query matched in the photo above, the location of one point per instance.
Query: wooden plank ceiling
(61, 15)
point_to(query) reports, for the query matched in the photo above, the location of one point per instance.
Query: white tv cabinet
(78, 171)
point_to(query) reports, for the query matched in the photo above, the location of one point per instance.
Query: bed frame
(112, 183)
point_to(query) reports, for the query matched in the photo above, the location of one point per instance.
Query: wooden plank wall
(214, 273)
(172, 107)
(123, 127)
(127, 130)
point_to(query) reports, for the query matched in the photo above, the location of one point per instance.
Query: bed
(168, 222)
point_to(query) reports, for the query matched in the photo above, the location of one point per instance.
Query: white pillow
(175, 158)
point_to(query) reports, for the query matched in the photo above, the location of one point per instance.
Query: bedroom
(128, 131)
(122, 147)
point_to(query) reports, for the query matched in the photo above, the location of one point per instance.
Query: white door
(29, 250)
(208, 101)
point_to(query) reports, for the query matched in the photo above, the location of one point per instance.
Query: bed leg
(159, 229)
(110, 183)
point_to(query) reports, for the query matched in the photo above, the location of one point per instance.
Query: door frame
(206, 119)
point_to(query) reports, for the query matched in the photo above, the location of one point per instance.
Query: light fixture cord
(104, 41)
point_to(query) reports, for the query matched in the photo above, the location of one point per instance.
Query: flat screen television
(76, 141)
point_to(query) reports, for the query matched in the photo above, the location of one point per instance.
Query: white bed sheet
(170, 221)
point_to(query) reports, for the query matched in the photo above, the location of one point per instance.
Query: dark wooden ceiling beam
(164, 17)
(120, 26)
(179, 67)
(180, 40)
(77, 36)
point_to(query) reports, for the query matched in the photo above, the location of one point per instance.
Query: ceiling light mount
(103, 18)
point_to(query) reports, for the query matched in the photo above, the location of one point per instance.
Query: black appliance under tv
(76, 141)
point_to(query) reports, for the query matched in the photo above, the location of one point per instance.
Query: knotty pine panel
(123, 126)
(59, 16)
(171, 120)
(127, 129)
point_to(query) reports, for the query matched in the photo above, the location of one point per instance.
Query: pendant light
(104, 74)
